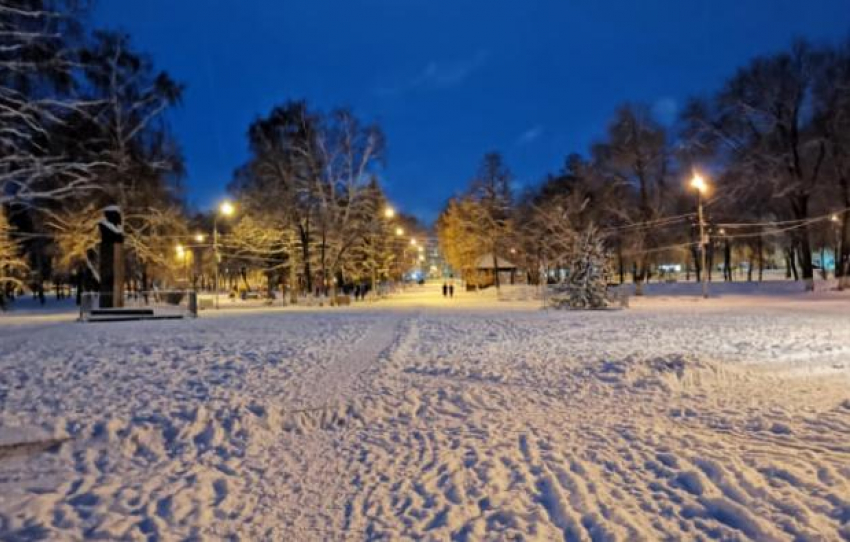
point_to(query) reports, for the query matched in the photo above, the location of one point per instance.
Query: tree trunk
(842, 255)
(800, 206)
(697, 264)
(293, 289)
(791, 259)
(323, 257)
(620, 264)
(80, 285)
(305, 255)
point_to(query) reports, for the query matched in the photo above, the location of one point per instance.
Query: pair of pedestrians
(448, 290)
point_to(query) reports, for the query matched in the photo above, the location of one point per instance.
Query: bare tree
(491, 189)
(636, 155)
(38, 59)
(762, 127)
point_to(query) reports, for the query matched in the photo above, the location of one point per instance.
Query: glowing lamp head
(834, 217)
(226, 209)
(389, 212)
(413, 242)
(180, 251)
(199, 238)
(399, 232)
(699, 184)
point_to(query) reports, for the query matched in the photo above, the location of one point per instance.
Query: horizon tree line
(84, 124)
(774, 140)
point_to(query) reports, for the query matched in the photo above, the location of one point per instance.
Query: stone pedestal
(111, 258)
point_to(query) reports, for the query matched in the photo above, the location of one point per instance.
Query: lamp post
(698, 184)
(225, 209)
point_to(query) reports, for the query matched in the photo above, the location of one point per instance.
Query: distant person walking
(445, 289)
(451, 290)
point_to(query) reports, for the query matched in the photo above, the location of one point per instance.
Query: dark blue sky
(449, 79)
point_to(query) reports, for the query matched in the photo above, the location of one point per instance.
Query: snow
(423, 417)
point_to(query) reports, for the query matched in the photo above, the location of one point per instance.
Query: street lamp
(399, 231)
(226, 209)
(389, 212)
(200, 237)
(699, 184)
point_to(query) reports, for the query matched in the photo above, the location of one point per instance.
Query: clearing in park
(421, 417)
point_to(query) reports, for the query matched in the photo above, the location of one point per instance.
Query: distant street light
(399, 231)
(699, 184)
(226, 209)
(200, 237)
(389, 212)
(413, 241)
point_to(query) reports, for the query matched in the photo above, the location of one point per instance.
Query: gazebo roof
(486, 262)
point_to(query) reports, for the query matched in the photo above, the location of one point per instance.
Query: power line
(660, 222)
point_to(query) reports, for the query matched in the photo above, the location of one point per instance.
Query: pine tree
(588, 280)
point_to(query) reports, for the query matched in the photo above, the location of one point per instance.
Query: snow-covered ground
(420, 417)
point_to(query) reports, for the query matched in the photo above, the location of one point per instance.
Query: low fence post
(193, 303)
